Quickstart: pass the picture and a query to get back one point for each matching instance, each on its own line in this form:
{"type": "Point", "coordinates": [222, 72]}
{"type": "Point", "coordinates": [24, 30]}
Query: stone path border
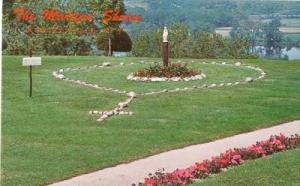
{"type": "Point", "coordinates": [118, 110]}
{"type": "Point", "coordinates": [134, 172]}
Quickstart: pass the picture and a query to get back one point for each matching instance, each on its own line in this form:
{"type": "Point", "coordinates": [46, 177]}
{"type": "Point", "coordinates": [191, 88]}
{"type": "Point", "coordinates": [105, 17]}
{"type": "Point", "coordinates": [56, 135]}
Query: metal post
{"type": "Point", "coordinates": [30, 78]}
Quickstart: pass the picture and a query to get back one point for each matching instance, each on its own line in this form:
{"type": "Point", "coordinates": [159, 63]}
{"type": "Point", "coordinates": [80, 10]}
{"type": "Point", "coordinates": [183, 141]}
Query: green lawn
{"type": "Point", "coordinates": [115, 77]}
{"type": "Point", "coordinates": [52, 137]}
{"type": "Point", "coordinates": [280, 169]}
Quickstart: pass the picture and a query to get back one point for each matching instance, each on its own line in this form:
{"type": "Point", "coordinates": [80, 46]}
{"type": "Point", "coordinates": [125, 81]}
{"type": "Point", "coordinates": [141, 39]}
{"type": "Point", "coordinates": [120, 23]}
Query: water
{"type": "Point", "coordinates": [290, 54]}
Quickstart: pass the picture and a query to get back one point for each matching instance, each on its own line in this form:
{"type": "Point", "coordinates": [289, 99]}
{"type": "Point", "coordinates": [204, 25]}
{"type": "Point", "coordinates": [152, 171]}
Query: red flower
{"type": "Point", "coordinates": [150, 182]}
{"type": "Point", "coordinates": [229, 158]}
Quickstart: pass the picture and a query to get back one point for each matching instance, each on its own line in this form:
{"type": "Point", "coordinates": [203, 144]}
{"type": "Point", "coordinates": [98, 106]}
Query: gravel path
{"type": "Point", "coordinates": [127, 174]}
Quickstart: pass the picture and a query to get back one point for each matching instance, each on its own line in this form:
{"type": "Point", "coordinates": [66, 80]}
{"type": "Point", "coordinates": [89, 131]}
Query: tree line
{"type": "Point", "coordinates": [185, 44]}
{"type": "Point", "coordinates": [203, 15]}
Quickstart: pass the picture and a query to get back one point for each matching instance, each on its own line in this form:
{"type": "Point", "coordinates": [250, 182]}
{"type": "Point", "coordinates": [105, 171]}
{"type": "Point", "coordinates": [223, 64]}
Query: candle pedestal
{"type": "Point", "coordinates": [165, 53]}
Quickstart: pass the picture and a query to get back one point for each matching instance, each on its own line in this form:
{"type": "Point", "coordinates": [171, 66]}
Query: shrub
{"type": "Point", "coordinates": [174, 70]}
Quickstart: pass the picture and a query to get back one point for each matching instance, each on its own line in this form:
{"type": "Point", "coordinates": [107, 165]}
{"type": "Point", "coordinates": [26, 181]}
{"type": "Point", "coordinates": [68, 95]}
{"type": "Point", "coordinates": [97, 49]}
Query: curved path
{"type": "Point", "coordinates": [118, 110]}
{"type": "Point", "coordinates": [134, 172]}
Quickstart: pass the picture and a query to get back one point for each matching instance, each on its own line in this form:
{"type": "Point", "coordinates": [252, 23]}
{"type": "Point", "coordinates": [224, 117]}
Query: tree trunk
{"type": "Point", "coordinates": [109, 46]}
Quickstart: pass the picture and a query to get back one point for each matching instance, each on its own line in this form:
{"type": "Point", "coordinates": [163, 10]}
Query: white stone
{"type": "Point", "coordinates": [193, 78]}
{"type": "Point", "coordinates": [104, 116]}
{"type": "Point", "coordinates": [100, 120]}
{"type": "Point", "coordinates": [60, 76]}
{"type": "Point", "coordinates": [123, 113]}
{"type": "Point", "coordinates": [156, 79]}
{"type": "Point", "coordinates": [175, 79]}
{"type": "Point", "coordinates": [95, 112]}
{"type": "Point", "coordinates": [110, 113]}
{"type": "Point", "coordinates": [229, 84]}
{"type": "Point", "coordinates": [122, 105]}
{"type": "Point", "coordinates": [249, 79]}
{"type": "Point", "coordinates": [90, 112]}
{"type": "Point", "coordinates": [186, 79]}
{"type": "Point", "coordinates": [212, 85]}
{"type": "Point", "coordinates": [199, 77]}
{"type": "Point", "coordinates": [238, 64]}
{"type": "Point", "coordinates": [144, 79]}
{"type": "Point", "coordinates": [130, 76]}
{"type": "Point", "coordinates": [164, 79]}
{"type": "Point", "coordinates": [131, 94]}
{"type": "Point", "coordinates": [106, 64]}
{"type": "Point", "coordinates": [135, 78]}
{"type": "Point", "coordinates": [129, 100]}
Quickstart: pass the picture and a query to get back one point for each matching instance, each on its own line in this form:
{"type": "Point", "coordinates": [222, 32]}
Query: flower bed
{"type": "Point", "coordinates": [174, 72]}
{"type": "Point", "coordinates": [232, 157]}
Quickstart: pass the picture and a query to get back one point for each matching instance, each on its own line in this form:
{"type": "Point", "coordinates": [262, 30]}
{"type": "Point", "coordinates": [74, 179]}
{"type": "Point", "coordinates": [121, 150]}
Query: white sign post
{"type": "Point", "coordinates": [31, 61]}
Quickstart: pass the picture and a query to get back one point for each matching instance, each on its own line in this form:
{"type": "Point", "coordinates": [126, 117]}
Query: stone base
{"type": "Point", "coordinates": [131, 77]}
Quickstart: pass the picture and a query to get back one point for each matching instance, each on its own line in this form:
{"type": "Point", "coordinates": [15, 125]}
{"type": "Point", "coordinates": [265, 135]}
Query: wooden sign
{"type": "Point", "coordinates": [32, 61]}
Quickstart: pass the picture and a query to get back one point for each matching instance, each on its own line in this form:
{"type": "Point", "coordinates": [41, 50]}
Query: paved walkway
{"type": "Point", "coordinates": [126, 174]}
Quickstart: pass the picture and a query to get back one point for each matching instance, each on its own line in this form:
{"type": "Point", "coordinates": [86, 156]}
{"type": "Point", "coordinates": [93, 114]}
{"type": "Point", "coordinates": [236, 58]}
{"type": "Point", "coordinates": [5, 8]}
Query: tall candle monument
{"type": "Point", "coordinates": [165, 48]}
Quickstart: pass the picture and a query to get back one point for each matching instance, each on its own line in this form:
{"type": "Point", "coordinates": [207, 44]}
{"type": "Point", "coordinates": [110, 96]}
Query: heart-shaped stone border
{"type": "Point", "coordinates": [118, 110]}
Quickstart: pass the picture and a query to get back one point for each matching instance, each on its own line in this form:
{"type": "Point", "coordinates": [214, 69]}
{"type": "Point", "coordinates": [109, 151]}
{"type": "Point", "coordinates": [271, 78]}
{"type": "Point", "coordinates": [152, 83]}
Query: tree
{"type": "Point", "coordinates": [103, 10]}
{"type": "Point", "coordinates": [250, 30]}
{"type": "Point", "coordinates": [273, 36]}
{"type": "Point", "coordinates": [184, 44]}
{"type": "Point", "coordinates": [148, 44]}
{"type": "Point", "coordinates": [120, 42]}
{"type": "Point", "coordinates": [180, 40]}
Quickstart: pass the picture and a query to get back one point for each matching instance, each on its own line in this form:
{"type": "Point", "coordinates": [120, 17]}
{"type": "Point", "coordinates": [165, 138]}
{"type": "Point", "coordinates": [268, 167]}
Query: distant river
{"type": "Point", "coordinates": [291, 54]}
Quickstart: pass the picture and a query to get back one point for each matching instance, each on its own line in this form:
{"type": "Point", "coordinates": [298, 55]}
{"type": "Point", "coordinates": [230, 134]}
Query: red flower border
{"type": "Point", "coordinates": [232, 157]}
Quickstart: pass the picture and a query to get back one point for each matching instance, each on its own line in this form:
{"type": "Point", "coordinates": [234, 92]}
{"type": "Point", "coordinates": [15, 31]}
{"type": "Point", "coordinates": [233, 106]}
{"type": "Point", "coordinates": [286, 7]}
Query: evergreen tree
{"type": "Point", "coordinates": [100, 6]}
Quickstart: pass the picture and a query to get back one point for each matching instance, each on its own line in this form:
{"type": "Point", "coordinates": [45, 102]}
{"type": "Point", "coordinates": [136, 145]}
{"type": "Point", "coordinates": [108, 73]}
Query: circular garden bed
{"type": "Point", "coordinates": [174, 72]}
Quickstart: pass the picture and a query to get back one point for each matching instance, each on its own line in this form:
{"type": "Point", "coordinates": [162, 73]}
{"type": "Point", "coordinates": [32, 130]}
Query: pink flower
{"type": "Point", "coordinates": [150, 181]}
{"type": "Point", "coordinates": [229, 158]}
